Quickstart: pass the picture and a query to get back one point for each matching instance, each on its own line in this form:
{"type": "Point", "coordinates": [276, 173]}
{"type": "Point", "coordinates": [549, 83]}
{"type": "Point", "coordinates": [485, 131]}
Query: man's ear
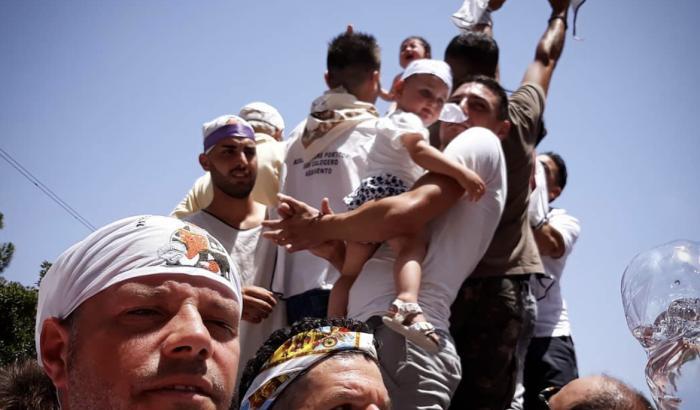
{"type": "Point", "coordinates": [503, 130]}
{"type": "Point", "coordinates": [554, 193]}
{"type": "Point", "coordinates": [204, 161]}
{"type": "Point", "coordinates": [326, 78]}
{"type": "Point", "coordinates": [376, 77]}
{"type": "Point", "coordinates": [53, 345]}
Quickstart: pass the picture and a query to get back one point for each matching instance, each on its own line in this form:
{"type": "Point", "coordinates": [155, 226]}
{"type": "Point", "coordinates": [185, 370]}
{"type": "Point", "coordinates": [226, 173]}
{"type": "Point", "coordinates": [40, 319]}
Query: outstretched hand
{"type": "Point", "coordinates": [295, 231]}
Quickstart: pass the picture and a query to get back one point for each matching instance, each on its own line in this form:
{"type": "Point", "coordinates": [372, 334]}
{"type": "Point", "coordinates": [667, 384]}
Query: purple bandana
{"type": "Point", "coordinates": [228, 131]}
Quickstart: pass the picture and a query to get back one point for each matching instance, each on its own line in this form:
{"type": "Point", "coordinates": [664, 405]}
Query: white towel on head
{"type": "Point", "coordinates": [130, 248]}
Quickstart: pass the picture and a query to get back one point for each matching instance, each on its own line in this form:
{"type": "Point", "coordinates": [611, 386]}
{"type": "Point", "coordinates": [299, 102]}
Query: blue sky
{"type": "Point", "coordinates": [103, 102]}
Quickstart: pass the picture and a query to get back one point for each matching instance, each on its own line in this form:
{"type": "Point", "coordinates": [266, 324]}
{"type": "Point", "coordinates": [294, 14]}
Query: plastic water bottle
{"type": "Point", "coordinates": [661, 298]}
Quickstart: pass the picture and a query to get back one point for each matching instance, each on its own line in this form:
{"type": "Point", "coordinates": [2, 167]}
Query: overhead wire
{"type": "Point", "coordinates": [46, 190]}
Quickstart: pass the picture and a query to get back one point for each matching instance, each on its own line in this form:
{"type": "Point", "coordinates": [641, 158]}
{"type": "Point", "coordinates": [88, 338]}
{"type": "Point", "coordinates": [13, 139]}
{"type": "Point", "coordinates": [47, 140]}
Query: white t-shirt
{"type": "Point", "coordinates": [254, 256]}
{"type": "Point", "coordinates": [457, 239]}
{"type": "Point", "coordinates": [552, 316]}
{"type": "Point", "coordinates": [539, 201]}
{"type": "Point", "coordinates": [388, 154]}
{"type": "Point", "coordinates": [334, 173]}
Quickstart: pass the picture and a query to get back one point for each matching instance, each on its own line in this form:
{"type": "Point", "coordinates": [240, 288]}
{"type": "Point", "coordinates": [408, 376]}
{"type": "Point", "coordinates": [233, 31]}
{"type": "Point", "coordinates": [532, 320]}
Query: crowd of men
{"type": "Point", "coordinates": [226, 306]}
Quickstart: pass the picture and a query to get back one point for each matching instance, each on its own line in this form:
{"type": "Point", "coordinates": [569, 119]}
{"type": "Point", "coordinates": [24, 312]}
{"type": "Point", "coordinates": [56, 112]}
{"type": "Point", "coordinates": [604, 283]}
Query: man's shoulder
{"type": "Point", "coordinates": [477, 142]}
{"type": "Point", "coordinates": [527, 93]}
{"type": "Point", "coordinates": [198, 218]}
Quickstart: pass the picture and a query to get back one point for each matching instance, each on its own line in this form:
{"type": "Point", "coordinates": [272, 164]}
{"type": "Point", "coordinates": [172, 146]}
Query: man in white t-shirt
{"type": "Point", "coordinates": [551, 359]}
{"type": "Point", "coordinates": [234, 218]}
{"type": "Point", "coordinates": [327, 157]}
{"type": "Point", "coordinates": [459, 232]}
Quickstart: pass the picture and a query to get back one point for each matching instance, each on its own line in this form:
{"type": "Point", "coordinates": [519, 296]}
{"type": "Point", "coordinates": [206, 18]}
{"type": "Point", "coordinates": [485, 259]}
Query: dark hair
{"type": "Point", "coordinates": [352, 57]}
{"type": "Point", "coordinates": [613, 395]}
{"type": "Point", "coordinates": [563, 174]}
{"type": "Point", "coordinates": [476, 52]}
{"type": "Point", "coordinates": [422, 41]}
{"type": "Point", "coordinates": [278, 337]}
{"type": "Point", "coordinates": [24, 385]}
{"type": "Point", "coordinates": [496, 88]}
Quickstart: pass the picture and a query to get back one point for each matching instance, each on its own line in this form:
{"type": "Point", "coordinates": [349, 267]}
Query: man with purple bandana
{"type": "Point", "coordinates": [234, 218]}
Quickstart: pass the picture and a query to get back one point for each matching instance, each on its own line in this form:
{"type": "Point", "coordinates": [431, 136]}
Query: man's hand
{"type": "Point", "coordinates": [257, 303]}
{"type": "Point", "coordinates": [559, 6]}
{"type": "Point", "coordinates": [496, 4]}
{"type": "Point", "coordinates": [295, 231]}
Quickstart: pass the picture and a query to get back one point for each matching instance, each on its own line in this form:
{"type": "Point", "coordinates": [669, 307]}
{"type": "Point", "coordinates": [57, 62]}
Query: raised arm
{"type": "Point", "coordinates": [375, 221]}
{"type": "Point", "coordinates": [550, 46]}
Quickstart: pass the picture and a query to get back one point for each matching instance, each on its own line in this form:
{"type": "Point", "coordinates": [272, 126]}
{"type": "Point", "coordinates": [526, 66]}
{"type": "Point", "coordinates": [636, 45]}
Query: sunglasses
{"type": "Point", "coordinates": [547, 394]}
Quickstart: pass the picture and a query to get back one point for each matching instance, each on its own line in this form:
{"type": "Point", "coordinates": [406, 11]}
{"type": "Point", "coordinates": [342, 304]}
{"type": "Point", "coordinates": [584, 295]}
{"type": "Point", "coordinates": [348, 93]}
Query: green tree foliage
{"type": "Point", "coordinates": [45, 266]}
{"type": "Point", "coordinates": [6, 250]}
{"type": "Point", "coordinates": [17, 311]}
{"type": "Point", "coordinates": [18, 307]}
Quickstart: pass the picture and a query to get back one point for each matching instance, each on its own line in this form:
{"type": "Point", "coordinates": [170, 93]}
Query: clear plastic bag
{"type": "Point", "coordinates": [661, 297]}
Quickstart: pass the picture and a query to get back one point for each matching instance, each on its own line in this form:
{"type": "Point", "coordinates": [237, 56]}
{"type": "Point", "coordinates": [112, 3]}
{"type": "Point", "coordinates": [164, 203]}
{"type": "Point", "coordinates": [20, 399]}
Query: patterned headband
{"type": "Point", "coordinates": [298, 354]}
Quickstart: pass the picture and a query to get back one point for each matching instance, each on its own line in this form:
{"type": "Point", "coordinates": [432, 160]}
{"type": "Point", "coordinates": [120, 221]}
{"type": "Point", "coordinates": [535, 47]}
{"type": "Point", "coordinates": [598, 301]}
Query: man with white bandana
{"type": "Point", "coordinates": [234, 218]}
{"type": "Point", "coordinates": [327, 157]}
{"type": "Point", "coordinates": [143, 313]}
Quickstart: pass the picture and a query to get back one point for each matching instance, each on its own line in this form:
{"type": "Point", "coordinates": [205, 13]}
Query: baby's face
{"type": "Point", "coordinates": [411, 49]}
{"type": "Point", "coordinates": [423, 95]}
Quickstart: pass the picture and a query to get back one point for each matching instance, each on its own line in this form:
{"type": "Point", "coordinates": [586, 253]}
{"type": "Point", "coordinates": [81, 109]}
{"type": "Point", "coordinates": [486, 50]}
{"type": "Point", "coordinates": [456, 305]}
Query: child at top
{"type": "Point", "coordinates": [400, 154]}
{"type": "Point", "coordinates": [412, 48]}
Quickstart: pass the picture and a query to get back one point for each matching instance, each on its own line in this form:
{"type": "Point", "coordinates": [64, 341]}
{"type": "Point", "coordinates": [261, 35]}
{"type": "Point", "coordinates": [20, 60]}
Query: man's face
{"type": "Point", "coordinates": [348, 382]}
{"type": "Point", "coordinates": [551, 171]}
{"type": "Point", "coordinates": [158, 342]}
{"type": "Point", "coordinates": [480, 104]}
{"type": "Point", "coordinates": [423, 95]}
{"type": "Point", "coordinates": [233, 166]}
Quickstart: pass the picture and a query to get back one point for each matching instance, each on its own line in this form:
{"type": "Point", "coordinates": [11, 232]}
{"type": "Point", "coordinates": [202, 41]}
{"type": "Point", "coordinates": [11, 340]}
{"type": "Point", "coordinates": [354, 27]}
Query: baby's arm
{"type": "Point", "coordinates": [430, 158]}
{"type": "Point", "coordinates": [391, 94]}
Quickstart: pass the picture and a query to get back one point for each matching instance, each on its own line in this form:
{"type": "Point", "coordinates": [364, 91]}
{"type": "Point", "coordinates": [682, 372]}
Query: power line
{"type": "Point", "coordinates": [46, 190]}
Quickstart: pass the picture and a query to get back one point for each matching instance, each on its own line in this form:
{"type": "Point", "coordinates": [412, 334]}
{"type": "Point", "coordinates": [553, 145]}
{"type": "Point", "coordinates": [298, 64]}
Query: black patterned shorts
{"type": "Point", "coordinates": [375, 187]}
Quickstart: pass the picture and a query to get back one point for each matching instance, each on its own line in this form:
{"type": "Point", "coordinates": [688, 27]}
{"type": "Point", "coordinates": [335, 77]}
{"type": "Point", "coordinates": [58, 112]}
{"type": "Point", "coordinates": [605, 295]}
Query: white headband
{"type": "Point", "coordinates": [438, 68]}
{"type": "Point", "coordinates": [296, 355]}
{"type": "Point", "coordinates": [126, 249]}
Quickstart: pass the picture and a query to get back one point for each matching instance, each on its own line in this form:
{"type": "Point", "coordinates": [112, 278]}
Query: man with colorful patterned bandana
{"type": "Point", "coordinates": [143, 313]}
{"type": "Point", "coordinates": [316, 364]}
